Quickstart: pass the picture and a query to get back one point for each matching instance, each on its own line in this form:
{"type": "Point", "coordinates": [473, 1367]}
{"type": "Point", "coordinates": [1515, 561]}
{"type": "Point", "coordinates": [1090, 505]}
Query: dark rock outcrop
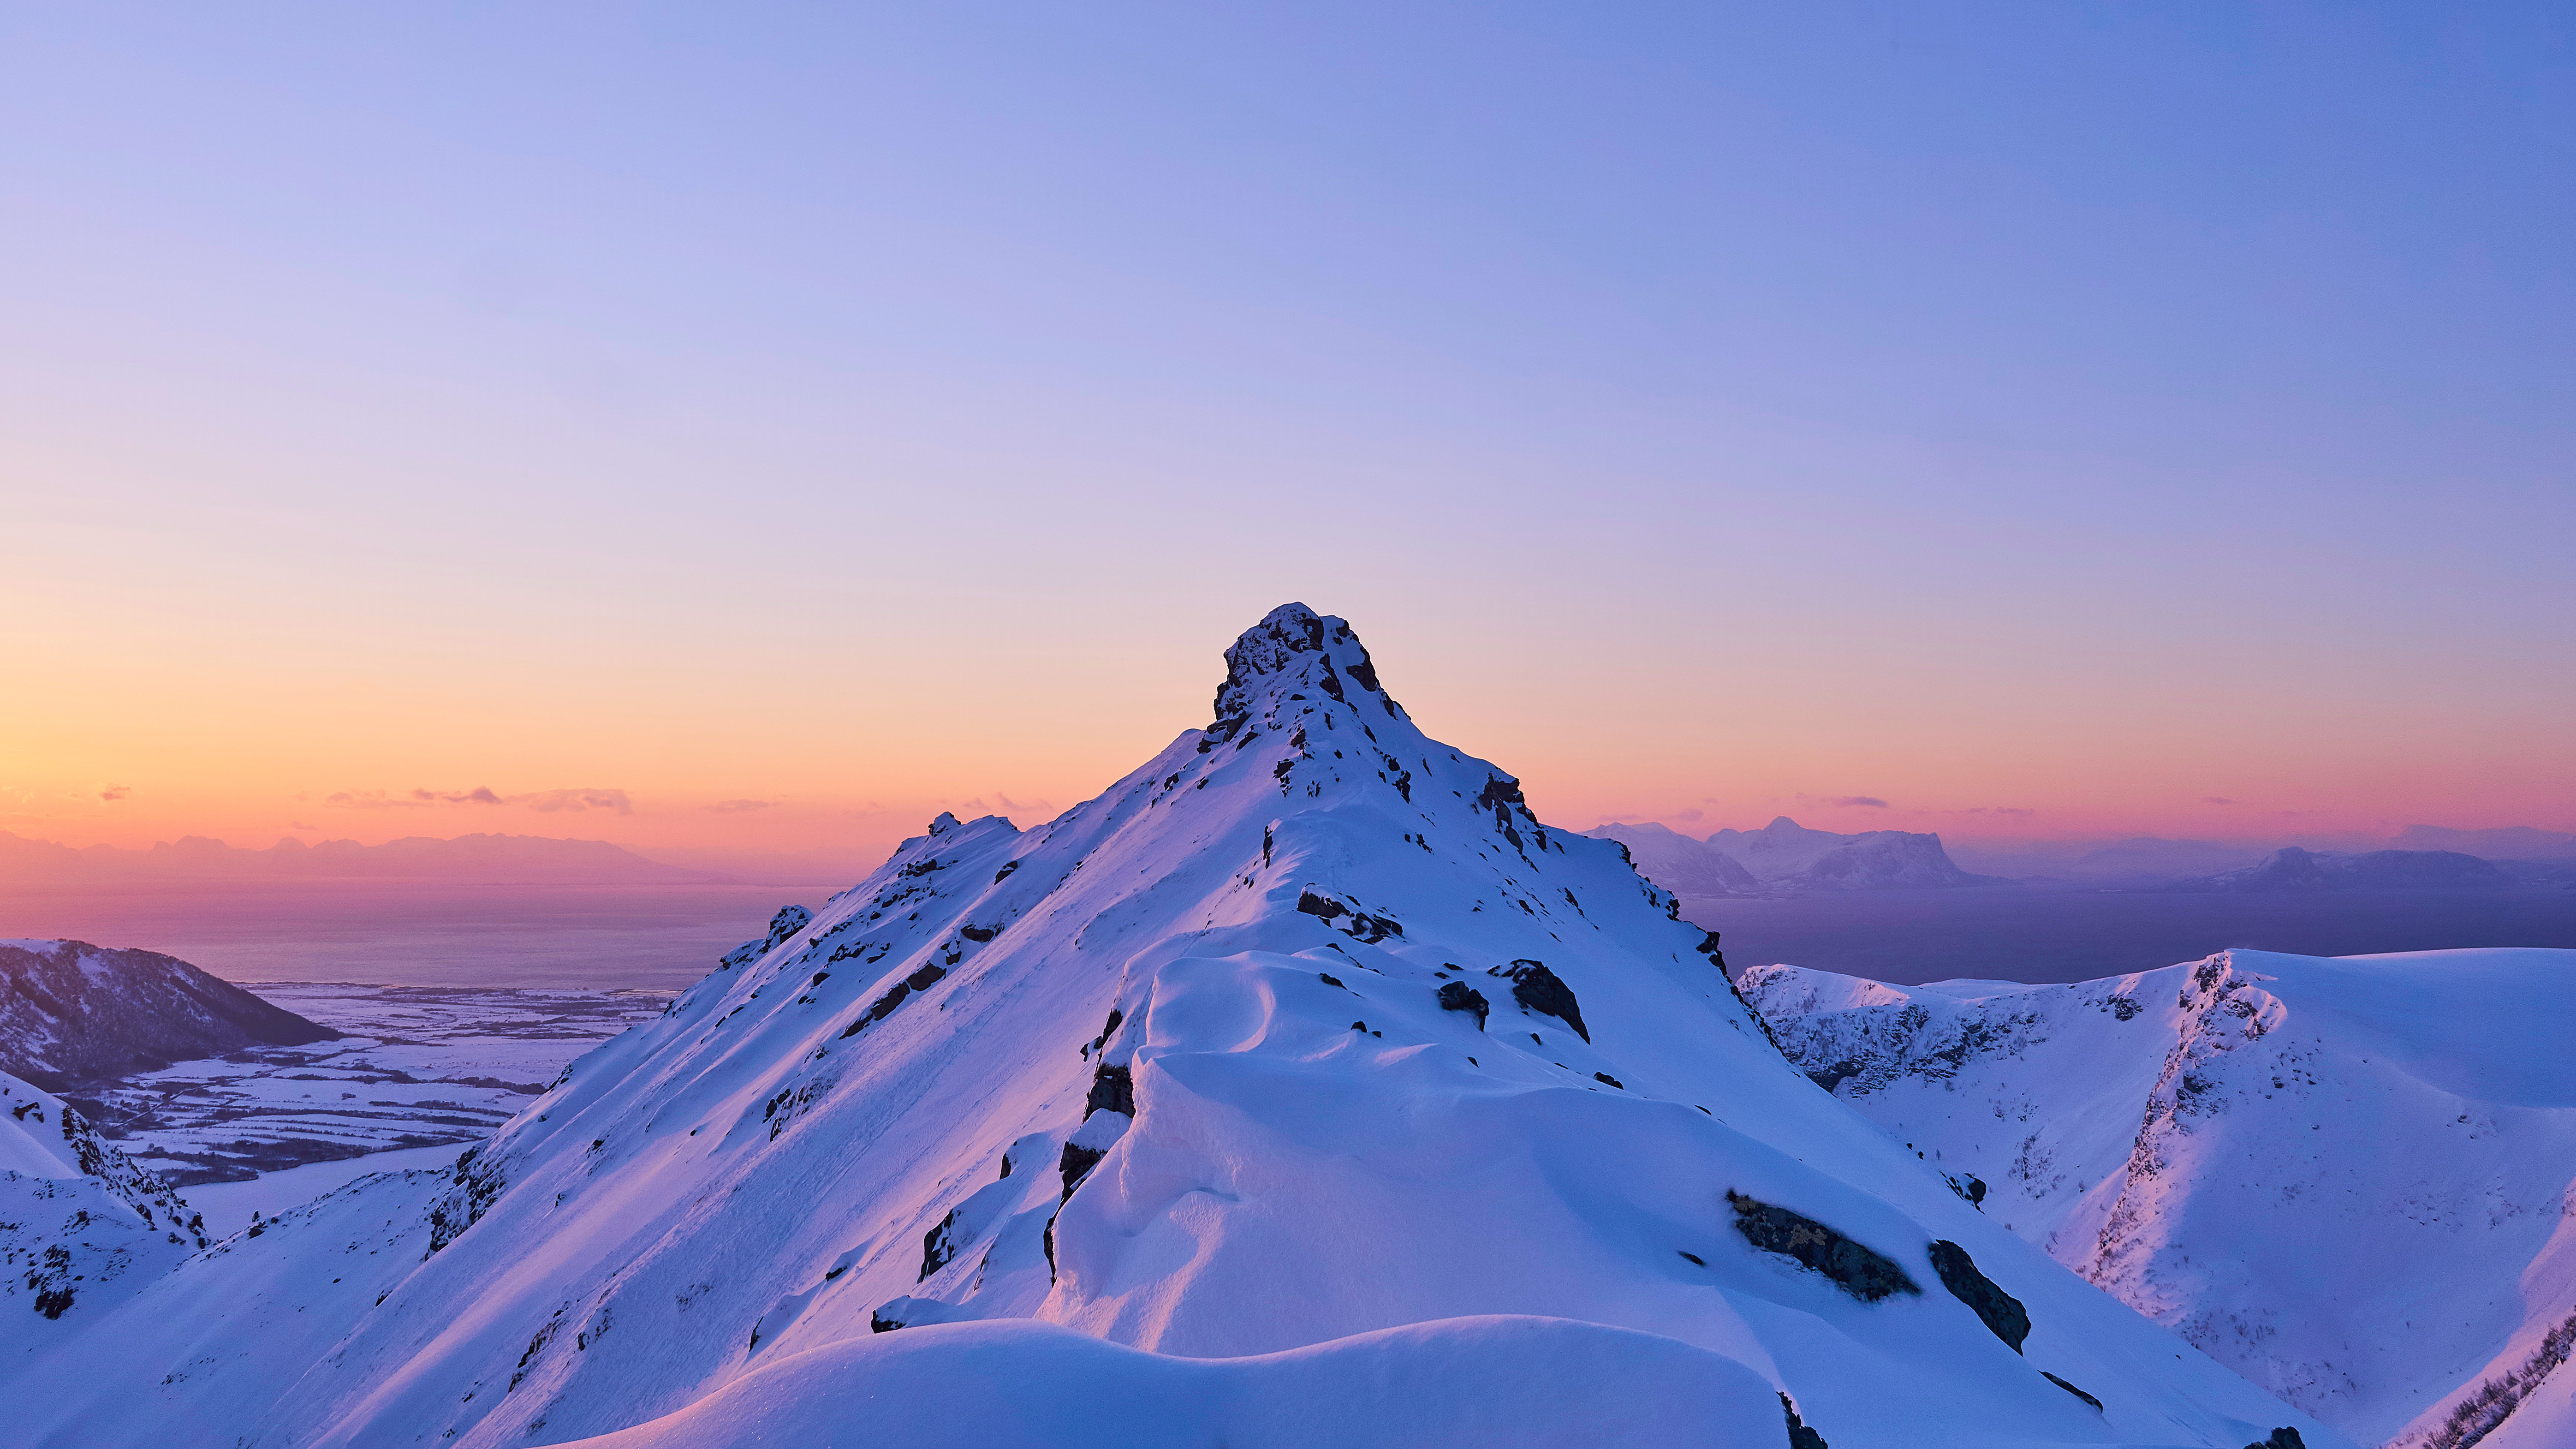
{"type": "Point", "coordinates": [1076, 1164]}
{"type": "Point", "coordinates": [1800, 1436]}
{"type": "Point", "coordinates": [72, 1012]}
{"type": "Point", "coordinates": [2070, 1388]}
{"type": "Point", "coordinates": [938, 1246]}
{"type": "Point", "coordinates": [1999, 1310]}
{"type": "Point", "coordinates": [1459, 996]}
{"type": "Point", "coordinates": [1862, 1272]}
{"type": "Point", "coordinates": [789, 920]}
{"type": "Point", "coordinates": [1113, 1089]}
{"type": "Point", "coordinates": [1540, 989]}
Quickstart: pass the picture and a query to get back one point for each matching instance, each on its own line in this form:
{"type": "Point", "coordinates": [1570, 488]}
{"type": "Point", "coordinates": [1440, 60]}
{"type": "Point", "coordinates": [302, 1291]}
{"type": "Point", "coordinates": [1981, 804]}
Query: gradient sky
{"type": "Point", "coordinates": [2093, 411]}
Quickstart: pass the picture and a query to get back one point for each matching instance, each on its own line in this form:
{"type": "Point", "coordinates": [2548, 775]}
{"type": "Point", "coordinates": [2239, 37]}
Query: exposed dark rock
{"type": "Point", "coordinates": [1539, 989]}
{"type": "Point", "coordinates": [1708, 947]}
{"type": "Point", "coordinates": [478, 1183]}
{"type": "Point", "coordinates": [1859, 1271]}
{"type": "Point", "coordinates": [938, 1246]}
{"type": "Point", "coordinates": [2001, 1311]}
{"type": "Point", "coordinates": [1459, 996]}
{"type": "Point", "coordinates": [979, 933]}
{"type": "Point", "coordinates": [1969, 1186]}
{"type": "Point", "coordinates": [1800, 1436]}
{"type": "Point", "coordinates": [1613, 1081]}
{"type": "Point", "coordinates": [2284, 1437]}
{"type": "Point", "coordinates": [1113, 1089]}
{"type": "Point", "coordinates": [999, 875]}
{"type": "Point", "coordinates": [1363, 926]}
{"type": "Point", "coordinates": [2070, 1388]}
{"type": "Point", "coordinates": [1835, 1075]}
{"type": "Point", "coordinates": [789, 920]}
{"type": "Point", "coordinates": [2123, 1007]}
{"type": "Point", "coordinates": [1076, 1164]}
{"type": "Point", "coordinates": [1329, 979]}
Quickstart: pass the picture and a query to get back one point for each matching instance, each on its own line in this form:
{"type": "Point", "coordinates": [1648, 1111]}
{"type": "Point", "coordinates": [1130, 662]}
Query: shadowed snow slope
{"type": "Point", "coordinates": [1305, 1049]}
{"type": "Point", "coordinates": [81, 1227]}
{"type": "Point", "coordinates": [2349, 1178]}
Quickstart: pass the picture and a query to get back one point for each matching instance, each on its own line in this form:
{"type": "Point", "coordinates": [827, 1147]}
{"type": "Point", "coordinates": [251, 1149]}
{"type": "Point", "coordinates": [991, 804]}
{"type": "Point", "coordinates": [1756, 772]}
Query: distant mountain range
{"type": "Point", "coordinates": [479, 858]}
{"type": "Point", "coordinates": [2147, 859]}
{"type": "Point", "coordinates": [1786, 858]}
{"type": "Point", "coordinates": [2293, 869]}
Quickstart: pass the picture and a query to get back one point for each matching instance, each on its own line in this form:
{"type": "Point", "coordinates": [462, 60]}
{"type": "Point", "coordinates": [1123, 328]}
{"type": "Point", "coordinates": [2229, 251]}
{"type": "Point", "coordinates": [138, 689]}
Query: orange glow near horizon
{"type": "Point", "coordinates": [251, 744]}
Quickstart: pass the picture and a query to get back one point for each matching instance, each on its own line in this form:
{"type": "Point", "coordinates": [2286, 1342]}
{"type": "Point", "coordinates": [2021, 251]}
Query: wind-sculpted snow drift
{"type": "Point", "coordinates": [2351, 1179]}
{"type": "Point", "coordinates": [1179, 1082]}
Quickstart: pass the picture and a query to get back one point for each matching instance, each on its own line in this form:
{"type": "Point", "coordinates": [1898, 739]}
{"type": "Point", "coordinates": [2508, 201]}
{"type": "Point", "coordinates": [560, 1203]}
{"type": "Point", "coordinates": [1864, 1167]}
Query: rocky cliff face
{"type": "Point", "coordinates": [71, 1011]}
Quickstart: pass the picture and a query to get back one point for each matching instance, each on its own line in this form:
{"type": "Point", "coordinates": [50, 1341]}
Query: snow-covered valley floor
{"type": "Point", "coordinates": [418, 1068]}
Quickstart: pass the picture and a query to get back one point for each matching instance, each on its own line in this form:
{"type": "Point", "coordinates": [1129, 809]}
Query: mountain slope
{"type": "Point", "coordinates": [2352, 1179]}
{"type": "Point", "coordinates": [81, 1228]}
{"type": "Point", "coordinates": [71, 1011]}
{"type": "Point", "coordinates": [1305, 1049]}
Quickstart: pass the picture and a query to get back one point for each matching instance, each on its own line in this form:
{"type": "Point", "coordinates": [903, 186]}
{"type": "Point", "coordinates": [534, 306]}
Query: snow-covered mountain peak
{"type": "Point", "coordinates": [1295, 655]}
{"type": "Point", "coordinates": [1304, 1033]}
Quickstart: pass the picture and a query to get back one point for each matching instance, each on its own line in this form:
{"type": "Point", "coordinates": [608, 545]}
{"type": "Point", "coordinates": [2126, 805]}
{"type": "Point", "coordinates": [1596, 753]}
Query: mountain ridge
{"type": "Point", "coordinates": [1305, 1050]}
{"type": "Point", "coordinates": [73, 1012]}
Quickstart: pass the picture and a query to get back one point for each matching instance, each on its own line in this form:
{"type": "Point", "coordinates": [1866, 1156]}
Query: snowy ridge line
{"type": "Point", "coordinates": [1303, 1068]}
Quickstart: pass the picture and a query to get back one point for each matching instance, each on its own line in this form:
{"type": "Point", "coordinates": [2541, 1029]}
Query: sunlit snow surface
{"type": "Point", "coordinates": [814, 1197]}
{"type": "Point", "coordinates": [2349, 1178]}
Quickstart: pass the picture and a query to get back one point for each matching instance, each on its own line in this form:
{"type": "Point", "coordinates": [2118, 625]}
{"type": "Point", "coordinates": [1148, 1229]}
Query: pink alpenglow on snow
{"type": "Point", "coordinates": [1302, 1087]}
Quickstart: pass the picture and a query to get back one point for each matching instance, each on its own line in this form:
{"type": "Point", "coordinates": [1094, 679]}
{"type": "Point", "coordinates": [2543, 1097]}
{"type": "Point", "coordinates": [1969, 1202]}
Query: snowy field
{"type": "Point", "coordinates": [422, 1073]}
